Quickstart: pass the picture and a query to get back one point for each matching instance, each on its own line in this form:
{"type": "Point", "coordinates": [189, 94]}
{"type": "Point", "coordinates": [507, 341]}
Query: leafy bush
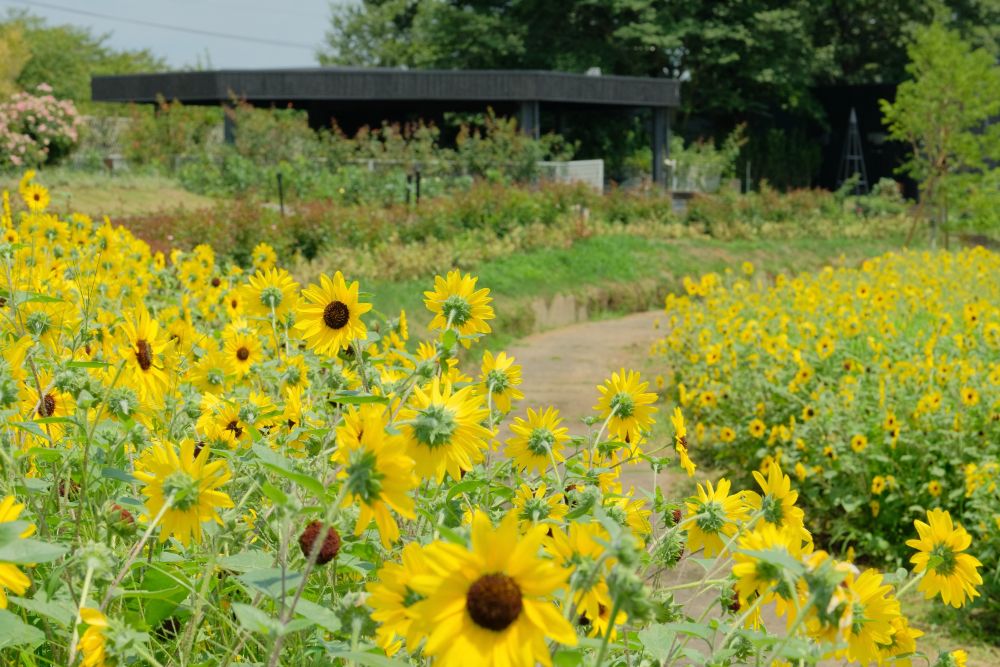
{"type": "Point", "coordinates": [36, 129]}
{"type": "Point", "coordinates": [502, 217]}
{"type": "Point", "coordinates": [376, 166]}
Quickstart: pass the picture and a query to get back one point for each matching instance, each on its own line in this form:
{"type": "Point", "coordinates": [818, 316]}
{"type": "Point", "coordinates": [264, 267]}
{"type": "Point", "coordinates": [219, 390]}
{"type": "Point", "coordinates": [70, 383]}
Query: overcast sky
{"type": "Point", "coordinates": [298, 24]}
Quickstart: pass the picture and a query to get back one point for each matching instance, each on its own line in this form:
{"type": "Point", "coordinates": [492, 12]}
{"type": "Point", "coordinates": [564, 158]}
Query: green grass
{"type": "Point", "coordinates": [115, 195]}
{"type": "Point", "coordinates": [633, 273]}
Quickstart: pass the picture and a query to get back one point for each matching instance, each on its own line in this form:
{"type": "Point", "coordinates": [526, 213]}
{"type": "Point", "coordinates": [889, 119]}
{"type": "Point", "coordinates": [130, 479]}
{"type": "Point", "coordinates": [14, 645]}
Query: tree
{"type": "Point", "coordinates": [14, 55]}
{"type": "Point", "coordinates": [65, 57]}
{"type": "Point", "coordinates": [947, 112]}
{"type": "Point", "coordinates": [737, 57]}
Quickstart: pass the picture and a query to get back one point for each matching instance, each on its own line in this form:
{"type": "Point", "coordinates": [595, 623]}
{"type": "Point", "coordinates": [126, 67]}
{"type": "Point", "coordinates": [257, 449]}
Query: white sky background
{"type": "Point", "coordinates": [302, 22]}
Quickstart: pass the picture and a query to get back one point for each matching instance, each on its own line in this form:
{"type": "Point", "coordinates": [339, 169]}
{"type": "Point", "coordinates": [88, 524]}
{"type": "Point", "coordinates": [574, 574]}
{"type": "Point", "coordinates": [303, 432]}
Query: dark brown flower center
{"type": "Point", "coordinates": [235, 428]}
{"type": "Point", "coordinates": [336, 314]}
{"type": "Point", "coordinates": [216, 281]}
{"type": "Point", "coordinates": [242, 354]}
{"type": "Point", "coordinates": [47, 406]}
{"type": "Point", "coordinates": [494, 601]}
{"type": "Point", "coordinates": [143, 354]}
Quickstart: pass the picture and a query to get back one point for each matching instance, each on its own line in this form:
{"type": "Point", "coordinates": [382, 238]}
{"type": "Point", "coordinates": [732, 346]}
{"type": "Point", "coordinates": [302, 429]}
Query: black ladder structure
{"type": "Point", "coordinates": [852, 160]}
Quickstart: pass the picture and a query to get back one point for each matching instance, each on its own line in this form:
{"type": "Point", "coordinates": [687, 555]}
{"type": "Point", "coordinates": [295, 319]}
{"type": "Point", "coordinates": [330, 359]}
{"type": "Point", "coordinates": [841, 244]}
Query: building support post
{"type": "Point", "coordinates": [661, 144]}
{"type": "Point", "coordinates": [228, 124]}
{"type": "Point", "coordinates": [530, 119]}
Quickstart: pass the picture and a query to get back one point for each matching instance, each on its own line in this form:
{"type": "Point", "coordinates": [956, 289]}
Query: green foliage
{"type": "Point", "coordinates": [13, 57]}
{"type": "Point", "coordinates": [371, 167]}
{"type": "Point", "coordinates": [158, 136]}
{"type": "Point", "coordinates": [783, 158]}
{"type": "Point", "coordinates": [947, 113]}
{"type": "Point", "coordinates": [66, 56]}
{"type": "Point", "coordinates": [700, 166]}
{"type": "Point", "coordinates": [739, 57]}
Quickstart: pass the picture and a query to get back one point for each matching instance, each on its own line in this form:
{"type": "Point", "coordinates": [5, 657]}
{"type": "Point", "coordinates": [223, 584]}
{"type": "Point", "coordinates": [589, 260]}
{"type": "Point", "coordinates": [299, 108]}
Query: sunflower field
{"type": "Point", "coordinates": [878, 387]}
{"type": "Point", "coordinates": [205, 465]}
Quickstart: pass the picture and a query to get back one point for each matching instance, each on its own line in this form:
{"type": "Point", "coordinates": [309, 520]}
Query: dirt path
{"type": "Point", "coordinates": [563, 367]}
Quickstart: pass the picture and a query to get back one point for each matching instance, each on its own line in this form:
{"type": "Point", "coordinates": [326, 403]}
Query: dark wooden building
{"type": "Point", "coordinates": [356, 97]}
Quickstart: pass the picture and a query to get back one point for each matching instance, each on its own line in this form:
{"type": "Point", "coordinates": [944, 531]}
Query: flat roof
{"type": "Point", "coordinates": [337, 84]}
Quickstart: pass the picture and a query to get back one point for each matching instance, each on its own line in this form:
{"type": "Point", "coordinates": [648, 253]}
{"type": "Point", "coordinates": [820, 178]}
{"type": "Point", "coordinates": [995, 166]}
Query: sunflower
{"type": "Point", "coordinates": [859, 443]}
{"type": "Point", "coordinates": [294, 371]}
{"type": "Point", "coordinates": [757, 428]}
{"type": "Point", "coordinates": [391, 598]}
{"type": "Point", "coordinates": [242, 351]}
{"type": "Point", "coordinates": [538, 441]}
{"type": "Point", "coordinates": [532, 507]}
{"type": "Point", "coordinates": [878, 485]}
{"type": "Point", "coordinates": [904, 643]}
{"type": "Point", "coordinates": [872, 613]}
{"type": "Point", "coordinates": [756, 576]}
{"type": "Point", "coordinates": [377, 472]}
{"type": "Point", "coordinates": [500, 378]}
{"type": "Point", "coordinates": [271, 291]}
{"type": "Point", "coordinates": [190, 481]}
{"type": "Point", "coordinates": [491, 605]}
{"type": "Point", "coordinates": [680, 441]}
{"type": "Point", "coordinates": [144, 369]}
{"type": "Point", "coordinates": [443, 430]}
{"type": "Point", "coordinates": [211, 373]}
{"type": "Point", "coordinates": [629, 511]}
{"type": "Point", "coordinates": [263, 257]}
{"type": "Point", "coordinates": [582, 546]}
{"type": "Point", "coordinates": [36, 197]}
{"type": "Point", "coordinates": [47, 321]}
{"type": "Point", "coordinates": [626, 405]}
{"type": "Point", "coordinates": [330, 317]}
{"type": "Point", "coordinates": [458, 305]}
{"type": "Point", "coordinates": [93, 643]}
{"type": "Point", "coordinates": [11, 577]}
{"type": "Point", "coordinates": [947, 571]}
{"type": "Point", "coordinates": [54, 403]}
{"type": "Point", "coordinates": [715, 515]}
{"type": "Point", "coordinates": [970, 396]}
{"type": "Point", "coordinates": [776, 503]}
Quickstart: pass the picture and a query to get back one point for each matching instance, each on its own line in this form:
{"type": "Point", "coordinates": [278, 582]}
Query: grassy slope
{"type": "Point", "coordinates": [621, 263]}
{"type": "Point", "coordinates": [119, 195]}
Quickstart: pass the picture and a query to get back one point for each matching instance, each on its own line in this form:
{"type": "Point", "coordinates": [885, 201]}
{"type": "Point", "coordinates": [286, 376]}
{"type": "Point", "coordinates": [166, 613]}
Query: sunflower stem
{"type": "Point", "coordinates": [332, 512]}
{"type": "Point", "coordinates": [602, 653]}
{"type": "Point", "coordinates": [136, 550]}
{"type": "Point", "coordinates": [87, 579]}
{"type": "Point", "coordinates": [910, 584]}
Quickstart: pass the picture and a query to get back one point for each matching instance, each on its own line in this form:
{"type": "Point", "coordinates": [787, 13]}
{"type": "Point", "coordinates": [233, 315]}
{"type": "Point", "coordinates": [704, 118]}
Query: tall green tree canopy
{"type": "Point", "coordinates": [65, 56]}
{"type": "Point", "coordinates": [947, 112]}
{"type": "Point", "coordinates": [737, 56]}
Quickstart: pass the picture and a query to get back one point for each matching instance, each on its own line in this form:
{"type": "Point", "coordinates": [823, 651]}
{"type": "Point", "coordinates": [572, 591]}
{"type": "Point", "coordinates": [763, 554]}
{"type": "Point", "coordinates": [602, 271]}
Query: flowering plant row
{"type": "Point", "coordinates": [876, 386]}
{"type": "Point", "coordinates": [202, 466]}
{"type": "Point", "coordinates": [36, 128]}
